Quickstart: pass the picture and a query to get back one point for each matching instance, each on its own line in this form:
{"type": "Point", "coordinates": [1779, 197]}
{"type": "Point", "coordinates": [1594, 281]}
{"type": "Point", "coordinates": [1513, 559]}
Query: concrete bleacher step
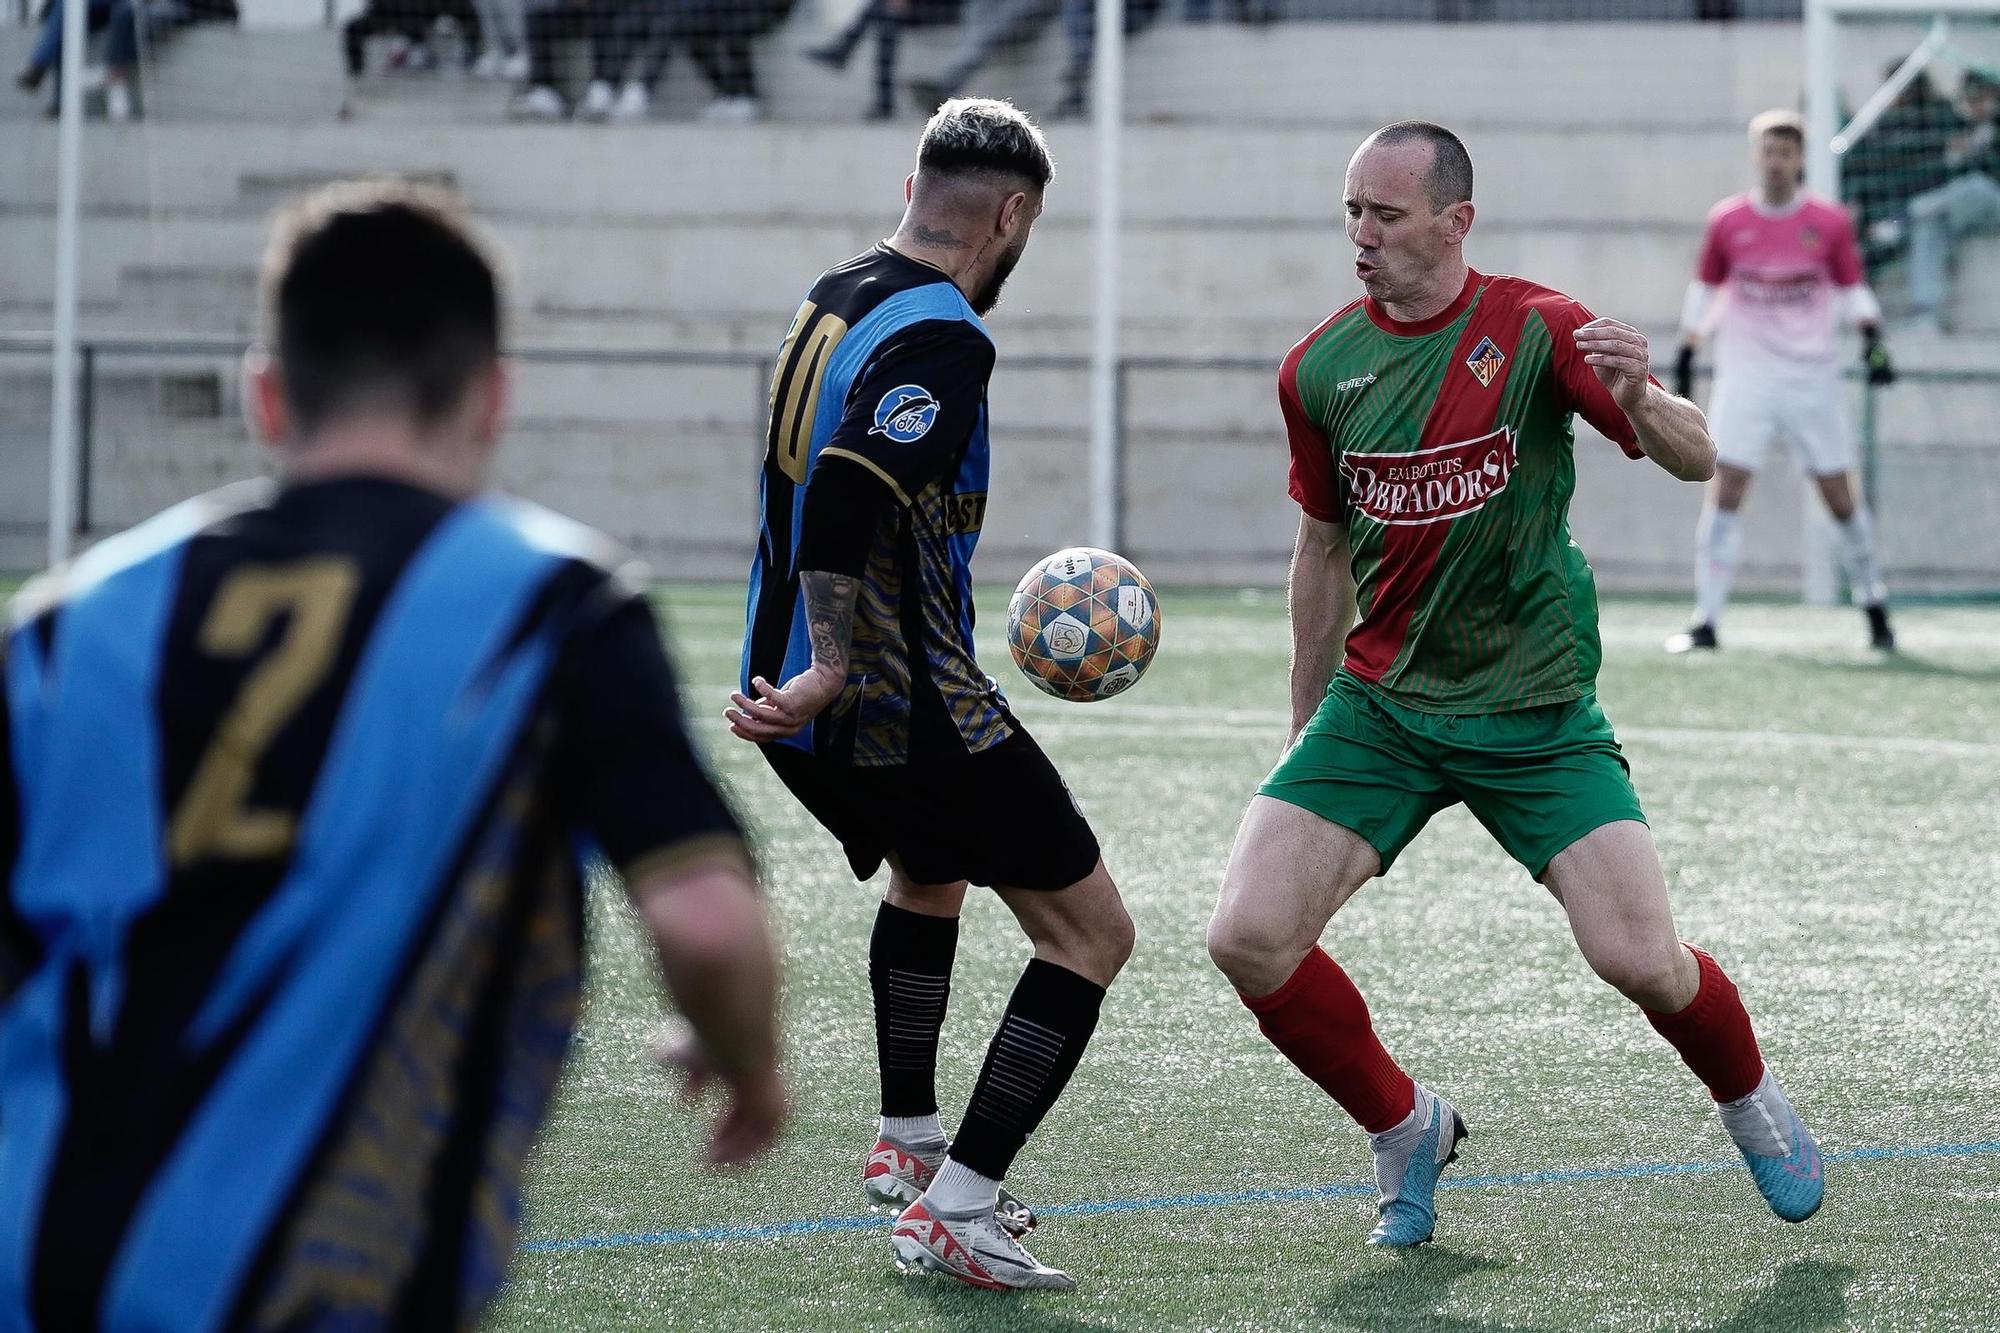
{"type": "Point", "coordinates": [1185, 176]}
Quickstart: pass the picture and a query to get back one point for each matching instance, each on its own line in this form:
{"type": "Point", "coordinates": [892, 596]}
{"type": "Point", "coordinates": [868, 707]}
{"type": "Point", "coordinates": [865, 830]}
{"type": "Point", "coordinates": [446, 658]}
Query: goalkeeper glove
{"type": "Point", "coordinates": [1684, 372]}
{"type": "Point", "coordinates": [1875, 357]}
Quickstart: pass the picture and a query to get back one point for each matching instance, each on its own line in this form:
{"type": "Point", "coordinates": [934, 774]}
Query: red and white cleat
{"type": "Point", "coordinates": [896, 1175]}
{"type": "Point", "coordinates": [974, 1248]}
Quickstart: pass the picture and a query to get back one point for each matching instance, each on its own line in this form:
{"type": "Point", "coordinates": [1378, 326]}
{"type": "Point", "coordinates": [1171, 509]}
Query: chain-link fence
{"type": "Point", "coordinates": [679, 209]}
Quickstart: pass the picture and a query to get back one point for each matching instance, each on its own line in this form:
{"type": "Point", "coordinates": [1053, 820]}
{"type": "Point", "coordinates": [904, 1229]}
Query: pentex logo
{"type": "Point", "coordinates": [1486, 361]}
{"type": "Point", "coordinates": [1430, 485]}
{"type": "Point", "coordinates": [1358, 382]}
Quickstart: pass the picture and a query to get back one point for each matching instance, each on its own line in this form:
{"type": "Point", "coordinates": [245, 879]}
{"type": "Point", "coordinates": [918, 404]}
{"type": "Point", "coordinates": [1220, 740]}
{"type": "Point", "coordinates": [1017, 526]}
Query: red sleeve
{"type": "Point", "coordinates": [1315, 480]}
{"type": "Point", "coordinates": [1713, 266]}
{"type": "Point", "coordinates": [1583, 393]}
{"type": "Point", "coordinates": [1844, 255]}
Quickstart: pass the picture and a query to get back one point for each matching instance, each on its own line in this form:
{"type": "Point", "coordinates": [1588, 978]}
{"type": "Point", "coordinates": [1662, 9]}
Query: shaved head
{"type": "Point", "coordinates": [1448, 179]}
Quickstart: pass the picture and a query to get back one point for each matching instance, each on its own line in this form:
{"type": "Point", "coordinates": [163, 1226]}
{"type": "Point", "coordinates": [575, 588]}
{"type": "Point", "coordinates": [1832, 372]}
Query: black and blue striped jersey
{"type": "Point", "coordinates": [295, 794]}
{"type": "Point", "coordinates": [884, 370]}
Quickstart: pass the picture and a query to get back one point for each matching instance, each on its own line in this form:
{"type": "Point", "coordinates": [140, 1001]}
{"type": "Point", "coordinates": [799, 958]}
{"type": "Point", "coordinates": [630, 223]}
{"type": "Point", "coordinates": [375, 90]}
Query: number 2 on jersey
{"type": "Point", "coordinates": [214, 818]}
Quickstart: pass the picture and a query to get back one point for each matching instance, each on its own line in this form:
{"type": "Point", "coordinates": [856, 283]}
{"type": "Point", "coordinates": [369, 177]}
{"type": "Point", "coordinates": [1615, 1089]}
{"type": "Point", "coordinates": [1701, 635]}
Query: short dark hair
{"type": "Point", "coordinates": [1449, 181]}
{"type": "Point", "coordinates": [972, 134]}
{"type": "Point", "coordinates": [378, 293]}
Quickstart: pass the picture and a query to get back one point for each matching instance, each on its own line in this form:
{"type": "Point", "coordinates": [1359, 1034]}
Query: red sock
{"type": "Point", "coordinates": [1320, 1022]}
{"type": "Point", "coordinates": [1713, 1034]}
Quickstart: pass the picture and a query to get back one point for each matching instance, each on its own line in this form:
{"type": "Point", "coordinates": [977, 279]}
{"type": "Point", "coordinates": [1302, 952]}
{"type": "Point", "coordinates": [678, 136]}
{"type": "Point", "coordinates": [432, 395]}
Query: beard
{"type": "Point", "coordinates": [989, 295]}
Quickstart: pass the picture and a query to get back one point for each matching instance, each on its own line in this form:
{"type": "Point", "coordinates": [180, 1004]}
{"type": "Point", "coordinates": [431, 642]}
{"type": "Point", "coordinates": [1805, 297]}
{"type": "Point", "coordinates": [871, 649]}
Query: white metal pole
{"type": "Point", "coordinates": [1819, 583]}
{"type": "Point", "coordinates": [69, 170]}
{"type": "Point", "coordinates": [1107, 104]}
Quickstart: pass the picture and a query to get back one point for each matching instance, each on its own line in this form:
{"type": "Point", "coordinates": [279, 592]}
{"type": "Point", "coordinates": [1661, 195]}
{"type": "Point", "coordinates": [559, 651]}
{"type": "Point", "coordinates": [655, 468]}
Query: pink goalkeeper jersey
{"type": "Point", "coordinates": [1779, 272]}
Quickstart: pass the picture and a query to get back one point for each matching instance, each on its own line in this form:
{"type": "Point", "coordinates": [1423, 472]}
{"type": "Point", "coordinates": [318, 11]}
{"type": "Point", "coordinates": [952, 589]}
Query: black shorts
{"type": "Point", "coordinates": [1002, 818]}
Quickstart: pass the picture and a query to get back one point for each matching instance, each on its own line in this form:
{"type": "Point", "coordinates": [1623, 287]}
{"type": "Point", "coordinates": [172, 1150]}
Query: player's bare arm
{"type": "Point", "coordinates": [1671, 430]}
{"type": "Point", "coordinates": [786, 710]}
{"type": "Point", "coordinates": [1321, 601]}
{"type": "Point", "coordinates": [716, 955]}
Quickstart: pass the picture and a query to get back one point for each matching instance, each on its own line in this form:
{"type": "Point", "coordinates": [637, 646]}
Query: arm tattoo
{"type": "Point", "coordinates": [830, 615]}
{"type": "Point", "coordinates": [938, 238]}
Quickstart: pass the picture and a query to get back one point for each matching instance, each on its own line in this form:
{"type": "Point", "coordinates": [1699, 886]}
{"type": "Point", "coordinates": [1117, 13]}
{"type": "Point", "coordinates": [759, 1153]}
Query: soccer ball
{"type": "Point", "coordinates": [1083, 624]}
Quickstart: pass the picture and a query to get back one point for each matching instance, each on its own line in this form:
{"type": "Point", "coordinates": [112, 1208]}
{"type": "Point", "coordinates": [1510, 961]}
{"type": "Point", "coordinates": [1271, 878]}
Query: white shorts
{"type": "Point", "coordinates": [1746, 410]}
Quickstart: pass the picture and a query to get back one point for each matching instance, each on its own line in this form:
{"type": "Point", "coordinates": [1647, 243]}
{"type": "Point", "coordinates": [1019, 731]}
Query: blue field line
{"type": "Point", "coordinates": [816, 1226]}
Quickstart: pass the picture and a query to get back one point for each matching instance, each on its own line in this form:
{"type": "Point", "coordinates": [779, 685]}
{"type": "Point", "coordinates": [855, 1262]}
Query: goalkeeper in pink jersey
{"type": "Point", "coordinates": [1779, 272]}
{"type": "Point", "coordinates": [1444, 649]}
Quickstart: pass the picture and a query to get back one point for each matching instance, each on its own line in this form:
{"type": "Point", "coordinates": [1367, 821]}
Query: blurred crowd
{"type": "Point", "coordinates": [629, 44]}
{"type": "Point", "coordinates": [1926, 173]}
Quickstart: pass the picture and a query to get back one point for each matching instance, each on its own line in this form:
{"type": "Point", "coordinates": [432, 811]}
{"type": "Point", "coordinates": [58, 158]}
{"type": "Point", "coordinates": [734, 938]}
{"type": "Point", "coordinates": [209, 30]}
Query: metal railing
{"type": "Point", "coordinates": [94, 349]}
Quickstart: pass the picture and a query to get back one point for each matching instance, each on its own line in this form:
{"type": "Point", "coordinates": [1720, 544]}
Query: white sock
{"type": "Point", "coordinates": [1413, 1124]}
{"type": "Point", "coordinates": [1759, 1121]}
{"type": "Point", "coordinates": [1857, 555]}
{"type": "Point", "coordinates": [915, 1130]}
{"type": "Point", "coordinates": [960, 1189]}
{"type": "Point", "coordinates": [1717, 538]}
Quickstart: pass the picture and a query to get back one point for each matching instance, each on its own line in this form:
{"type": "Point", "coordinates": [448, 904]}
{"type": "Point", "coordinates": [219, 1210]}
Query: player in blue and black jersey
{"type": "Point", "coordinates": [884, 725]}
{"type": "Point", "coordinates": [294, 780]}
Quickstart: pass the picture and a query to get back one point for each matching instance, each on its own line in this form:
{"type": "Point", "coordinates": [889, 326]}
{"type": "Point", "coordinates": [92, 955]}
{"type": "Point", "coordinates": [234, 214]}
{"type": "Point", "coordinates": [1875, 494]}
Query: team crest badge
{"type": "Point", "coordinates": [1485, 362]}
{"type": "Point", "coordinates": [1809, 239]}
{"type": "Point", "coordinates": [905, 414]}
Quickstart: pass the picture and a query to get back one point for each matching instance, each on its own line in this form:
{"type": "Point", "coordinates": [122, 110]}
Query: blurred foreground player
{"type": "Point", "coordinates": [1780, 272]}
{"type": "Point", "coordinates": [1431, 436]}
{"type": "Point", "coordinates": [884, 726]}
{"type": "Point", "coordinates": [291, 938]}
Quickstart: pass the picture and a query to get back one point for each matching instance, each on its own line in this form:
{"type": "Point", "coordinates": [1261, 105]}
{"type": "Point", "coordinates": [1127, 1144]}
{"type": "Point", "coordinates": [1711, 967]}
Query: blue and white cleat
{"type": "Point", "coordinates": [1408, 1161]}
{"type": "Point", "coordinates": [1778, 1148]}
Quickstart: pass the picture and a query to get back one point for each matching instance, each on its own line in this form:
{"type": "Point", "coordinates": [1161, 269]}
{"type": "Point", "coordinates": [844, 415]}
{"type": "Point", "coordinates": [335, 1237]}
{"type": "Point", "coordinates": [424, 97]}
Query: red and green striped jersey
{"type": "Point", "coordinates": [1444, 449]}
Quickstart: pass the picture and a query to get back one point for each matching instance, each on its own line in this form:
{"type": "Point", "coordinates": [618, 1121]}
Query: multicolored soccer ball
{"type": "Point", "coordinates": [1083, 624]}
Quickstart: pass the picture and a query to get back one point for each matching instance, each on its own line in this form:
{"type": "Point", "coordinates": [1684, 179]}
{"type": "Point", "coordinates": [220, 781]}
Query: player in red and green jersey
{"type": "Point", "coordinates": [1431, 437]}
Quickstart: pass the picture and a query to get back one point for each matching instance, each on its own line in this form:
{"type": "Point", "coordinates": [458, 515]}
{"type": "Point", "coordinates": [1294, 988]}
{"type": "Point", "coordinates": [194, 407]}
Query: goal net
{"type": "Point", "coordinates": [1904, 105]}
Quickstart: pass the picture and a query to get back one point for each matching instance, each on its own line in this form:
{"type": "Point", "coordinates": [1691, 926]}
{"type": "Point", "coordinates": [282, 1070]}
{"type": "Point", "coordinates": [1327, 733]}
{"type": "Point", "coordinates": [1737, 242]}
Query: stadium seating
{"type": "Point", "coordinates": [681, 236]}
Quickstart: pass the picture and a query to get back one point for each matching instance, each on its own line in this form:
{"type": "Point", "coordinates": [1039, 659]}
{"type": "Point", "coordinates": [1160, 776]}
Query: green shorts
{"type": "Point", "coordinates": [1537, 778]}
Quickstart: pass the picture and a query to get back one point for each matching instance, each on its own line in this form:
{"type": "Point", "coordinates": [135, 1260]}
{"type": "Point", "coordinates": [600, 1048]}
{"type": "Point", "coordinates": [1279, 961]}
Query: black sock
{"type": "Point", "coordinates": [1048, 1022]}
{"type": "Point", "coordinates": [909, 971]}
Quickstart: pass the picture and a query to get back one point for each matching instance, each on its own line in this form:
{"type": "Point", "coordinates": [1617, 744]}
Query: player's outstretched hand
{"type": "Point", "coordinates": [785, 711]}
{"type": "Point", "coordinates": [1617, 352]}
{"type": "Point", "coordinates": [749, 1124]}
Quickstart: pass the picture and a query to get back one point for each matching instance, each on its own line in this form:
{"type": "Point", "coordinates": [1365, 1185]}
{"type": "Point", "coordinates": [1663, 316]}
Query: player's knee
{"type": "Point", "coordinates": [1118, 938]}
{"type": "Point", "coordinates": [1642, 972]}
{"type": "Point", "coordinates": [1250, 951]}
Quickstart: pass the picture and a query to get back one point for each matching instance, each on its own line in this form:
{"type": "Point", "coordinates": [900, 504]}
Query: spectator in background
{"type": "Point", "coordinates": [718, 33]}
{"type": "Point", "coordinates": [992, 24]}
{"type": "Point", "coordinates": [121, 53]}
{"type": "Point", "coordinates": [603, 24]}
{"type": "Point", "coordinates": [1079, 19]}
{"type": "Point", "coordinates": [887, 19]}
{"type": "Point", "coordinates": [1900, 157]}
{"type": "Point", "coordinates": [988, 26]}
{"type": "Point", "coordinates": [1968, 201]}
{"type": "Point", "coordinates": [504, 27]}
{"type": "Point", "coordinates": [412, 22]}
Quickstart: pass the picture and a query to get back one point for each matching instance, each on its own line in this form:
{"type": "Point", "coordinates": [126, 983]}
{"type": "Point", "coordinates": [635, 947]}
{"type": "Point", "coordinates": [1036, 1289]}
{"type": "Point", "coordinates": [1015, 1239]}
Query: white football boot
{"type": "Point", "coordinates": [896, 1175]}
{"type": "Point", "coordinates": [972, 1247]}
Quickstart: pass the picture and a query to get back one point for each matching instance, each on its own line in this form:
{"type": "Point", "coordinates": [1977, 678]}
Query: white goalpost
{"type": "Point", "coordinates": [1850, 46]}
